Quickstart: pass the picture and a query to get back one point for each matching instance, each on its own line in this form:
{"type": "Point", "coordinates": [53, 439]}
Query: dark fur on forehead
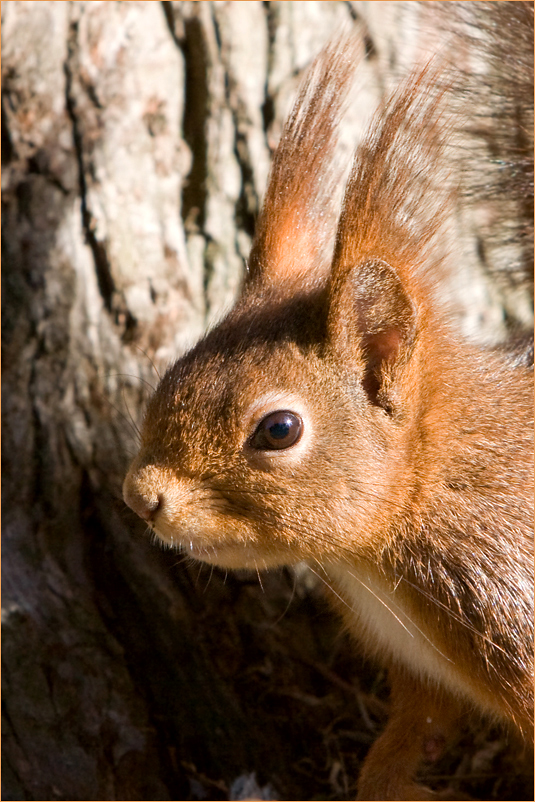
{"type": "Point", "coordinates": [262, 322]}
{"type": "Point", "coordinates": [253, 330]}
{"type": "Point", "coordinates": [198, 398]}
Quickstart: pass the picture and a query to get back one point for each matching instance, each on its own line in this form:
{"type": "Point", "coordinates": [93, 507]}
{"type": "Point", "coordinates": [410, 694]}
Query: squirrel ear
{"type": "Point", "coordinates": [295, 230]}
{"type": "Point", "coordinates": [386, 260]}
{"type": "Point", "coordinates": [372, 317]}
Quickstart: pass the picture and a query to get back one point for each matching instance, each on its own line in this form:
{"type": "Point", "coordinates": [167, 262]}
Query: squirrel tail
{"type": "Point", "coordinates": [497, 92]}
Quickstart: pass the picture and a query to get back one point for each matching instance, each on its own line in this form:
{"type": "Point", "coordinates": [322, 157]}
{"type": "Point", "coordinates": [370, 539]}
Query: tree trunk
{"type": "Point", "coordinates": [136, 141]}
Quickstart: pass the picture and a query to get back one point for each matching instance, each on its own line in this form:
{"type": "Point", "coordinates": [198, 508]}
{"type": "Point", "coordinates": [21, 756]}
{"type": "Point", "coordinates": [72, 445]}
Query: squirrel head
{"type": "Point", "coordinates": [255, 445]}
{"type": "Point", "coordinates": [286, 426]}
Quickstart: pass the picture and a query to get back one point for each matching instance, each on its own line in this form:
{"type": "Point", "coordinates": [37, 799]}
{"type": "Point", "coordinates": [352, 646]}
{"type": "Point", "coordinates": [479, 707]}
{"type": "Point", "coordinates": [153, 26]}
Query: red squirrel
{"type": "Point", "coordinates": [336, 417]}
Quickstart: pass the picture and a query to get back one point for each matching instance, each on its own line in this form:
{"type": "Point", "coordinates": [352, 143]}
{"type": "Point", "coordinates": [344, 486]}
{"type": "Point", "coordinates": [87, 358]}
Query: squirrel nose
{"type": "Point", "coordinates": [145, 503]}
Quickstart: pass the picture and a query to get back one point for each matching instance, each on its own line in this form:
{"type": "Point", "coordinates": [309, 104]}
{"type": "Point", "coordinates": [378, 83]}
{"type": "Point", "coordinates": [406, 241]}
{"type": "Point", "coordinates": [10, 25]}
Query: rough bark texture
{"type": "Point", "coordinates": [136, 140]}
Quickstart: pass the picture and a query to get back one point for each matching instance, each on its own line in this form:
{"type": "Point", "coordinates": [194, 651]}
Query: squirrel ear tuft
{"type": "Point", "coordinates": [295, 231]}
{"type": "Point", "coordinates": [373, 318]}
{"type": "Point", "coordinates": [388, 251]}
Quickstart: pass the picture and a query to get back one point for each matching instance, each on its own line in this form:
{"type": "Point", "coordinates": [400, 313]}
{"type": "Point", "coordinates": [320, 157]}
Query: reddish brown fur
{"type": "Point", "coordinates": [298, 216]}
{"type": "Point", "coordinates": [410, 492]}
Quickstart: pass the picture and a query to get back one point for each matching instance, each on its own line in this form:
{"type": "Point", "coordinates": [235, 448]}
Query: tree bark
{"type": "Point", "coordinates": [136, 141]}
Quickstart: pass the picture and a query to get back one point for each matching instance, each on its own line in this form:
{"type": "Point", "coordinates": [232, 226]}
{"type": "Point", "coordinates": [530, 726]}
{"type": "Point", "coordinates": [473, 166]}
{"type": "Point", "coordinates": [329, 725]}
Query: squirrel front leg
{"type": "Point", "coordinates": [422, 721]}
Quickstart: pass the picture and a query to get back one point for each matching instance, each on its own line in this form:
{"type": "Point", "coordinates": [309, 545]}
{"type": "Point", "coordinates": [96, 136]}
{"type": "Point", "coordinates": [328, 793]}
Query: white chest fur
{"type": "Point", "coordinates": [389, 628]}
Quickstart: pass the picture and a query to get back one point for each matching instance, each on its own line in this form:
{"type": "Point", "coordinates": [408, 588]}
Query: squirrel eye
{"type": "Point", "coordinates": [277, 431]}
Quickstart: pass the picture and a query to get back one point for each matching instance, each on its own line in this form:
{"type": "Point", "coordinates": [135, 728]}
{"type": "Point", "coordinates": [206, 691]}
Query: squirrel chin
{"type": "Point", "coordinates": [233, 555]}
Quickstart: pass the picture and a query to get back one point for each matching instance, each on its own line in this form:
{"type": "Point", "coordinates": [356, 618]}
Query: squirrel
{"type": "Point", "coordinates": [336, 417]}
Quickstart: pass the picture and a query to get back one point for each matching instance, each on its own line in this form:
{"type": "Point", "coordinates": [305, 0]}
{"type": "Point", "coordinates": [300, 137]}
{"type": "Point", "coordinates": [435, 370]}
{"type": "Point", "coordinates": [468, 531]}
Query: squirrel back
{"type": "Point", "coordinates": [335, 416]}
